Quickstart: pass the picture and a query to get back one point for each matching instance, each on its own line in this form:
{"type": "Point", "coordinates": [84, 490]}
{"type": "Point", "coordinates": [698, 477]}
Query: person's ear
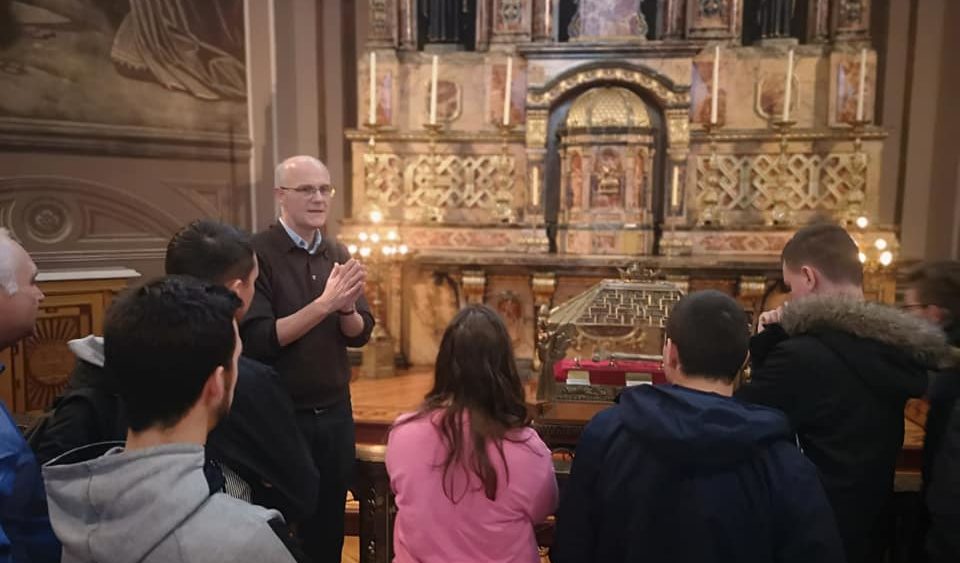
{"type": "Point", "coordinates": [215, 388]}
{"type": "Point", "coordinates": [810, 277]}
{"type": "Point", "coordinates": [671, 358]}
{"type": "Point", "coordinates": [234, 285]}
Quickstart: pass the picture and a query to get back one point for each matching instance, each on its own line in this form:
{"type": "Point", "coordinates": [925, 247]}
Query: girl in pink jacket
{"type": "Point", "coordinates": [471, 478]}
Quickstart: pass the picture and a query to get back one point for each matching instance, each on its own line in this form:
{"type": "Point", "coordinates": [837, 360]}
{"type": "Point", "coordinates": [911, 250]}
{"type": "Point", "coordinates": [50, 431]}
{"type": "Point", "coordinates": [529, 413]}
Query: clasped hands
{"type": "Point", "coordinates": [344, 286]}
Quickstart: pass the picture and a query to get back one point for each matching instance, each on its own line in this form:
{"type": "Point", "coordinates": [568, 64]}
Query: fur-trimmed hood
{"type": "Point", "coordinates": [922, 341]}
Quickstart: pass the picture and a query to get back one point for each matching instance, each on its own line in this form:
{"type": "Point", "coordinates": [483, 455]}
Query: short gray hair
{"type": "Point", "coordinates": [8, 266]}
{"type": "Point", "coordinates": [280, 172]}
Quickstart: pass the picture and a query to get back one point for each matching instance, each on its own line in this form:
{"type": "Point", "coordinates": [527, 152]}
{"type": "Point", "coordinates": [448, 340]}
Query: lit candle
{"type": "Point", "coordinates": [546, 19]}
{"type": "Point", "coordinates": [507, 90]}
{"type": "Point", "coordinates": [675, 187]}
{"type": "Point", "coordinates": [535, 188]}
{"type": "Point", "coordinates": [788, 87]}
{"type": "Point", "coordinates": [433, 92]}
{"type": "Point", "coordinates": [372, 117]}
{"type": "Point", "coordinates": [863, 84]}
{"type": "Point", "coordinates": [715, 93]}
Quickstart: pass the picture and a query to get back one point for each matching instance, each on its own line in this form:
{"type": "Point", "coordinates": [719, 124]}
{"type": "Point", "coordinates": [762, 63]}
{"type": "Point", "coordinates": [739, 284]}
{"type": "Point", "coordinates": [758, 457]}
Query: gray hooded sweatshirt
{"type": "Point", "coordinates": [154, 506]}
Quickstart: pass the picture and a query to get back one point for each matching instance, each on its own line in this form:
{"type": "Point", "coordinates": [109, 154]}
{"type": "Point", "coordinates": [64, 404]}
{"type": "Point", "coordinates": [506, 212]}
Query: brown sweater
{"type": "Point", "coordinates": [314, 369]}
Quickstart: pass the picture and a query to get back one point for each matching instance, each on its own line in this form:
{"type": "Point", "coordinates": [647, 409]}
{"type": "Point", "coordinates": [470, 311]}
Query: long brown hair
{"type": "Point", "coordinates": [475, 383]}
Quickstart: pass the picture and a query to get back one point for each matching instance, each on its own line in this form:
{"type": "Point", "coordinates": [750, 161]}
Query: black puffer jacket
{"type": "Point", "coordinates": [842, 371]}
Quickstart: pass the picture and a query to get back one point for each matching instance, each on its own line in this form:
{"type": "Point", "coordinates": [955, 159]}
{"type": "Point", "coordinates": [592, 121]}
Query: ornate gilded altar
{"type": "Point", "coordinates": [570, 139]}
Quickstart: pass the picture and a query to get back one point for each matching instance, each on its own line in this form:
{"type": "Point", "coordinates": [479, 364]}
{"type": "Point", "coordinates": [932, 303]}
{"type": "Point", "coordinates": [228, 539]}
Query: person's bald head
{"type": "Point", "coordinates": [19, 295]}
{"type": "Point", "coordinates": [302, 188]}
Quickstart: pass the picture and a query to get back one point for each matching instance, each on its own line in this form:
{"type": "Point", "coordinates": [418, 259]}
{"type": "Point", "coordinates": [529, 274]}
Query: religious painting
{"type": "Point", "coordinates": [385, 98]}
{"type": "Point", "coordinates": [640, 176]}
{"type": "Point", "coordinates": [518, 92]}
{"type": "Point", "coordinates": [177, 64]}
{"type": "Point", "coordinates": [508, 304]}
{"type": "Point", "coordinates": [845, 98]}
{"type": "Point", "coordinates": [575, 182]}
{"type": "Point", "coordinates": [448, 101]}
{"type": "Point", "coordinates": [622, 19]}
{"type": "Point", "coordinates": [605, 243]}
{"type": "Point", "coordinates": [701, 92]}
{"type": "Point", "coordinates": [771, 94]}
{"type": "Point", "coordinates": [384, 101]}
{"type": "Point", "coordinates": [607, 180]}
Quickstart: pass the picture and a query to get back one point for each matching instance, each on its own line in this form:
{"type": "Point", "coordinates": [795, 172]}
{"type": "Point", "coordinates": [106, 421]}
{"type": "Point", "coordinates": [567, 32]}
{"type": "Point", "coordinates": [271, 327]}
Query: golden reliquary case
{"type": "Point", "coordinates": [600, 341]}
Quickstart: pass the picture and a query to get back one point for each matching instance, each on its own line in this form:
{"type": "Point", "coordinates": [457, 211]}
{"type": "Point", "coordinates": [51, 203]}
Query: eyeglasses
{"type": "Point", "coordinates": [308, 190]}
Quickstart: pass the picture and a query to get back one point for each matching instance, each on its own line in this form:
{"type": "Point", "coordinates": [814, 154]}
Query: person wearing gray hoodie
{"type": "Point", "coordinates": [173, 347]}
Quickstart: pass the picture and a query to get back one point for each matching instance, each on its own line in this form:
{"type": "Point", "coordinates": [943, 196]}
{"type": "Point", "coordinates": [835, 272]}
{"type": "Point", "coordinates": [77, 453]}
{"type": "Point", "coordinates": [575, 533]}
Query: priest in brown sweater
{"type": "Point", "coordinates": [308, 308]}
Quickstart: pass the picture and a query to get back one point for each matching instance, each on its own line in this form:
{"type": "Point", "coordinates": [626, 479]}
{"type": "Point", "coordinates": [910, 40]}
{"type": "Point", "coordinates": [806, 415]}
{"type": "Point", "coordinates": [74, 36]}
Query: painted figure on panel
{"type": "Point", "coordinates": [640, 176]}
{"type": "Point", "coordinates": [607, 180]}
{"type": "Point", "coordinates": [575, 186]}
{"type": "Point", "coordinates": [176, 64]}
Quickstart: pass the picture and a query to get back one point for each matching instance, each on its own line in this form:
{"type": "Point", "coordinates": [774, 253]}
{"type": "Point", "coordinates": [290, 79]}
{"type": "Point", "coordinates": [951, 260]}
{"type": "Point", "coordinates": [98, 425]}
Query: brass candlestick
{"type": "Point", "coordinates": [709, 212]}
{"type": "Point", "coordinates": [780, 213]}
{"type": "Point", "coordinates": [504, 195]}
{"type": "Point", "coordinates": [856, 194]}
{"type": "Point", "coordinates": [370, 164]}
{"type": "Point", "coordinates": [432, 212]}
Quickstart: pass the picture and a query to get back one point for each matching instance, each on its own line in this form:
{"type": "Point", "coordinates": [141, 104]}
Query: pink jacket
{"type": "Point", "coordinates": [430, 527]}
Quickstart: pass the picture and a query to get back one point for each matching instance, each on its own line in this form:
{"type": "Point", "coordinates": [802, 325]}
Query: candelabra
{"type": "Point", "coordinates": [780, 214]}
{"type": "Point", "coordinates": [856, 194]}
{"type": "Point", "coordinates": [431, 211]}
{"type": "Point", "coordinates": [371, 194]}
{"type": "Point", "coordinates": [503, 198]}
{"type": "Point", "coordinates": [380, 248]}
{"type": "Point", "coordinates": [710, 214]}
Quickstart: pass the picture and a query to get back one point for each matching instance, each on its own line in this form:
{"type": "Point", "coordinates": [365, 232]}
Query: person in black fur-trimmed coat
{"type": "Point", "coordinates": [842, 369]}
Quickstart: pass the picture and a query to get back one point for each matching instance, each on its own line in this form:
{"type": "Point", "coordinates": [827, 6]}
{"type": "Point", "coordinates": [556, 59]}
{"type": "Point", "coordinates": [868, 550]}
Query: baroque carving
{"type": "Point", "coordinates": [537, 129]}
{"type": "Point", "coordinates": [445, 182]}
{"type": "Point", "coordinates": [749, 182]}
{"type": "Point", "coordinates": [658, 86]}
{"type": "Point", "coordinates": [713, 8]}
{"type": "Point", "coordinates": [511, 12]}
{"type": "Point", "coordinates": [851, 12]}
{"type": "Point", "coordinates": [48, 220]}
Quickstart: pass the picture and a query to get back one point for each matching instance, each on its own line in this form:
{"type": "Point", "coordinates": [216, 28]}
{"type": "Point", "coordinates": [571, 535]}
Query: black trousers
{"type": "Point", "coordinates": [330, 435]}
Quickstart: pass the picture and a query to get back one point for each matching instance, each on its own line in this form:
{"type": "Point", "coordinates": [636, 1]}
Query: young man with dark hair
{"type": "Point", "coordinates": [173, 345]}
{"type": "Point", "coordinates": [683, 472]}
{"type": "Point", "coordinates": [258, 447]}
{"type": "Point", "coordinates": [842, 370]}
{"type": "Point", "coordinates": [933, 293]}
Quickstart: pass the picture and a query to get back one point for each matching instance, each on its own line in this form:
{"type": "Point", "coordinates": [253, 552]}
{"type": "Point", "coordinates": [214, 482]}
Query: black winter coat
{"type": "Point", "coordinates": [676, 475]}
{"type": "Point", "coordinates": [842, 371]}
{"type": "Point", "coordinates": [941, 463]}
{"type": "Point", "coordinates": [259, 439]}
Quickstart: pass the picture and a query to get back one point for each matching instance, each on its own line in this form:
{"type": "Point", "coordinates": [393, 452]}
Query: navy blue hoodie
{"type": "Point", "coordinates": [673, 474]}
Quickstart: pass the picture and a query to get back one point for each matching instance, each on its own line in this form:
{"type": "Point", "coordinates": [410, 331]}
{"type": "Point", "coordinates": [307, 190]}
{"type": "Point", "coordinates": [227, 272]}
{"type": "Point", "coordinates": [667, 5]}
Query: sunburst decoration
{"type": "Point", "coordinates": [48, 361]}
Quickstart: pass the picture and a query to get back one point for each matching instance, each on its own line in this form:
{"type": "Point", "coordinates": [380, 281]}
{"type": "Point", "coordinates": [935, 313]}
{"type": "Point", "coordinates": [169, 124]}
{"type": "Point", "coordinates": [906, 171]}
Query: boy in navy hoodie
{"type": "Point", "coordinates": [686, 473]}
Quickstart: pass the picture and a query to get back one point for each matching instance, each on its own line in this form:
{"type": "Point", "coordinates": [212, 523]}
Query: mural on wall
{"type": "Point", "coordinates": [169, 64]}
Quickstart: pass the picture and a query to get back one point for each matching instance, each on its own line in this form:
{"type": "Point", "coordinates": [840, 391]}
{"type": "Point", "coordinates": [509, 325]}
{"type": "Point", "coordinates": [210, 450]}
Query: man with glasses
{"type": "Point", "coordinates": [933, 294]}
{"type": "Point", "coordinates": [308, 308]}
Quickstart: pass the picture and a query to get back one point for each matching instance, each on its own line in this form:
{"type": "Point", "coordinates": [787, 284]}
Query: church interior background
{"type": "Point", "coordinates": [510, 152]}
